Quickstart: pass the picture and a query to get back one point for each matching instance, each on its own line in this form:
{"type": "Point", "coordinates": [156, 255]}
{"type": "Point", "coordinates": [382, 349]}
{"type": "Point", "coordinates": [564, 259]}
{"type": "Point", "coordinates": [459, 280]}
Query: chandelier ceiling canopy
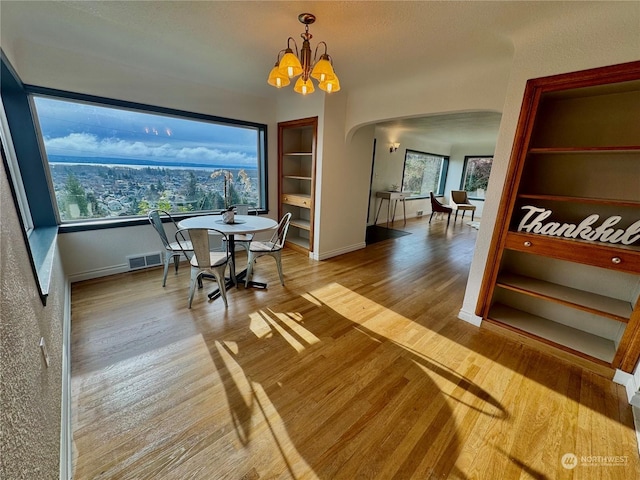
{"type": "Point", "coordinates": [289, 65]}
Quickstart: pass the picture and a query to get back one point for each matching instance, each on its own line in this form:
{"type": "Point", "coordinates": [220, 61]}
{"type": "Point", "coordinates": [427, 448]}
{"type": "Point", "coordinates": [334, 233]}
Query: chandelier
{"type": "Point", "coordinates": [289, 65]}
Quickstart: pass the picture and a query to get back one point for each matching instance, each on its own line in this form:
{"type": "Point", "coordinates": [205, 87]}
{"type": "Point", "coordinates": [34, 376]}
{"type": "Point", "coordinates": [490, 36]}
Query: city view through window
{"type": "Point", "coordinates": [110, 162]}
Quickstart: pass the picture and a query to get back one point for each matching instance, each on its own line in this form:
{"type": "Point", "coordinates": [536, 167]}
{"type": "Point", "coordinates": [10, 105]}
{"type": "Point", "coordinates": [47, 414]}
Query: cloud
{"type": "Point", "coordinates": [89, 145]}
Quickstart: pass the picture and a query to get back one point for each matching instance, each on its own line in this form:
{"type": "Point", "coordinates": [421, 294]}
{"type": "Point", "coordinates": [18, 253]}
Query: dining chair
{"type": "Point", "coordinates": [272, 248]}
{"type": "Point", "coordinates": [172, 250]}
{"type": "Point", "coordinates": [205, 259]}
{"type": "Point", "coordinates": [460, 201]}
{"type": "Point", "coordinates": [244, 239]}
{"type": "Point", "coordinates": [437, 207]}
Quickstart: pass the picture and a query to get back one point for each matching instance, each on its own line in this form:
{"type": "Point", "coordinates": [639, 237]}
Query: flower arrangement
{"type": "Point", "coordinates": [229, 190]}
{"type": "Point", "coordinates": [228, 178]}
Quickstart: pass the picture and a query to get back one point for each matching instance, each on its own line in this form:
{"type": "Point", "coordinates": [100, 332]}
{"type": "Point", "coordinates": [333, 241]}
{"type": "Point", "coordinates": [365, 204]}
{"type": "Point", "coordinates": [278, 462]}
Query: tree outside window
{"type": "Point", "coordinates": [424, 173]}
{"type": "Point", "coordinates": [475, 176]}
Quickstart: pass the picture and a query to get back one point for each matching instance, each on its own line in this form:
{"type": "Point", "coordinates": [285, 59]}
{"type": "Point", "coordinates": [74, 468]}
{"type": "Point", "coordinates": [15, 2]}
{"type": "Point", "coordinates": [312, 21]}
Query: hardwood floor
{"type": "Point", "coordinates": [356, 368]}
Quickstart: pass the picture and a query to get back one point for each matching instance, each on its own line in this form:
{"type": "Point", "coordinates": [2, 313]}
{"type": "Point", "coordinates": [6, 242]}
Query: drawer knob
{"type": "Point", "coordinates": [616, 260]}
{"type": "Point", "coordinates": [527, 243]}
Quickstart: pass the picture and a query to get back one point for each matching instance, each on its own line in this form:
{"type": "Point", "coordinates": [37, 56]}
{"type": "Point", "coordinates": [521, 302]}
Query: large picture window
{"type": "Point", "coordinates": [475, 176]}
{"type": "Point", "coordinates": [109, 161]}
{"type": "Point", "coordinates": [424, 173]}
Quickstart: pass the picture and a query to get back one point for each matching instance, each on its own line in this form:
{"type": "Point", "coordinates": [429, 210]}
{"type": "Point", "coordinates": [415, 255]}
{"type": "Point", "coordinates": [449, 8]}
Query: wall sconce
{"type": "Point", "coordinates": [393, 147]}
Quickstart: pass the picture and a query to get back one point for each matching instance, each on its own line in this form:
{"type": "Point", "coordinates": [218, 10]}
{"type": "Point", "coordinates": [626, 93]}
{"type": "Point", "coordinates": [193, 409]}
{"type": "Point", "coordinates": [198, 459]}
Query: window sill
{"type": "Point", "coordinates": [86, 225]}
{"type": "Point", "coordinates": [42, 242]}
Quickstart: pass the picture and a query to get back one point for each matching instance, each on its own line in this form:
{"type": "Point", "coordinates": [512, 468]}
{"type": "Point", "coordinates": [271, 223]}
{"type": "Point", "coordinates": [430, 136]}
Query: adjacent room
{"type": "Point", "coordinates": [329, 240]}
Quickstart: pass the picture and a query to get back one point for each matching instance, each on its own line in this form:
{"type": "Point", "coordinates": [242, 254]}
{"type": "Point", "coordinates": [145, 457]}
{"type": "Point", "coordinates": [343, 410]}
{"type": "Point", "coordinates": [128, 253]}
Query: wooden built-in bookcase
{"type": "Point", "coordinates": [296, 179]}
{"type": "Point", "coordinates": [576, 154]}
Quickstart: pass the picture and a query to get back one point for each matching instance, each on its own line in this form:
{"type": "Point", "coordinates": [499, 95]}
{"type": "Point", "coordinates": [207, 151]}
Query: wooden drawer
{"type": "Point", "coordinates": [588, 253]}
{"type": "Point", "coordinates": [296, 199]}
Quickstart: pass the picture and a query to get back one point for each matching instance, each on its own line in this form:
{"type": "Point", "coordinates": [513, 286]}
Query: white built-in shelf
{"type": "Point", "coordinates": [613, 308]}
{"type": "Point", "coordinates": [303, 242]}
{"type": "Point", "coordinates": [298, 153]}
{"type": "Point", "coordinates": [297, 177]}
{"type": "Point", "coordinates": [300, 223]}
{"type": "Point", "coordinates": [556, 333]}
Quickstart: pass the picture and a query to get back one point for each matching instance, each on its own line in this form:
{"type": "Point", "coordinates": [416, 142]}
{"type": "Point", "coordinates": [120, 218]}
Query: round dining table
{"type": "Point", "coordinates": [242, 224]}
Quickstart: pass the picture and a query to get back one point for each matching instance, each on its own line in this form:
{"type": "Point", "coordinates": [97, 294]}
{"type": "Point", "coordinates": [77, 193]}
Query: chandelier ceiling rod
{"type": "Point", "coordinates": [289, 65]}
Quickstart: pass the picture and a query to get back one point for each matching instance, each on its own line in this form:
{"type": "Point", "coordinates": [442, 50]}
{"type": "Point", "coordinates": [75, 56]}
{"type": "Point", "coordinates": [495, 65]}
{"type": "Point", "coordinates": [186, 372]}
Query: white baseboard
{"type": "Point", "coordinates": [66, 436]}
{"type": "Point", "coordinates": [339, 251]}
{"type": "Point", "coordinates": [627, 381]}
{"type": "Point", "coordinates": [99, 272]}
{"type": "Point", "coordinates": [636, 421]}
{"type": "Point", "coordinates": [469, 317]}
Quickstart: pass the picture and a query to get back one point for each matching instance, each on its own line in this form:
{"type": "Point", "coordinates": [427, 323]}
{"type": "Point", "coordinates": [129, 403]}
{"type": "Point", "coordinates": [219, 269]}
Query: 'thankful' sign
{"type": "Point", "coordinates": [534, 222]}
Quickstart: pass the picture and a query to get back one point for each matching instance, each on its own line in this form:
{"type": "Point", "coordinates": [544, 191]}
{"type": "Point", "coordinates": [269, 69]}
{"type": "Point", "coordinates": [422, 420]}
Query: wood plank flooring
{"type": "Point", "coordinates": [356, 369]}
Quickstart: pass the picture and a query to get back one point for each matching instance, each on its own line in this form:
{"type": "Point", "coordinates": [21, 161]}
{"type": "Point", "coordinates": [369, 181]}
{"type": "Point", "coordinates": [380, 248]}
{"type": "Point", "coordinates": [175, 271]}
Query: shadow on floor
{"type": "Point", "coordinates": [376, 233]}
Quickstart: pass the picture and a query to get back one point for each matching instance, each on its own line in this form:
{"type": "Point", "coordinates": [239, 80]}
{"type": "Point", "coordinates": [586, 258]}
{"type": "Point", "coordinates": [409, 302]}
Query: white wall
{"type": "Point", "coordinates": [31, 402]}
{"type": "Point", "coordinates": [344, 172]}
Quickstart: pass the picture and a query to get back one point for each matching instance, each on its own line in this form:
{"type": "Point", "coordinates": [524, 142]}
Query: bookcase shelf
{"type": "Point", "coordinates": [554, 333]}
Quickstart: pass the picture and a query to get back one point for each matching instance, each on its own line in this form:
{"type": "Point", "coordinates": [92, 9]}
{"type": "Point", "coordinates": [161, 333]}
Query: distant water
{"type": "Point", "coordinates": [110, 162]}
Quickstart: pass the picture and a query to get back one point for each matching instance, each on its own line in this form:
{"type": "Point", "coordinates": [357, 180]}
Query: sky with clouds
{"type": "Point", "coordinates": [73, 129]}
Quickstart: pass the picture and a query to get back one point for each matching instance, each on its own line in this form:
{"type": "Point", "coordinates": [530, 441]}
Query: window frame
{"type": "Point", "coordinates": [103, 223]}
{"type": "Point", "coordinates": [464, 173]}
{"type": "Point", "coordinates": [444, 169]}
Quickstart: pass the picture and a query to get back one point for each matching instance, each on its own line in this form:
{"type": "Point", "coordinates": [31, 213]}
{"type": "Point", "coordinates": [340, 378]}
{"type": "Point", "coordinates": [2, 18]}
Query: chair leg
{"type": "Point", "coordinates": [249, 273]}
{"type": "Point", "coordinates": [278, 258]}
{"type": "Point", "coordinates": [473, 213]}
{"type": "Point", "coordinates": [456, 217]}
{"type": "Point", "coordinates": [449, 219]}
{"type": "Point", "coordinates": [195, 276]}
{"type": "Point", "coordinates": [167, 258]}
{"type": "Point", "coordinates": [222, 284]}
{"type": "Point", "coordinates": [431, 216]}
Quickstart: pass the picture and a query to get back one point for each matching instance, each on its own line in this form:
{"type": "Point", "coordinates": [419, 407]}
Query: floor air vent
{"type": "Point", "coordinates": [137, 262]}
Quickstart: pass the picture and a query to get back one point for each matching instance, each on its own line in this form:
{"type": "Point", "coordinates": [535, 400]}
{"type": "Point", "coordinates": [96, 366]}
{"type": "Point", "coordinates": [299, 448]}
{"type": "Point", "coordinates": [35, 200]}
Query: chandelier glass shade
{"type": "Point", "coordinates": [300, 64]}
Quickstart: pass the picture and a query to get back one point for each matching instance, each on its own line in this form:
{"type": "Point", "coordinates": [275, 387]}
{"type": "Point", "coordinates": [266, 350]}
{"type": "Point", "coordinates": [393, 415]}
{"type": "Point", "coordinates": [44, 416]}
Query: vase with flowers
{"type": "Point", "coordinates": [228, 215]}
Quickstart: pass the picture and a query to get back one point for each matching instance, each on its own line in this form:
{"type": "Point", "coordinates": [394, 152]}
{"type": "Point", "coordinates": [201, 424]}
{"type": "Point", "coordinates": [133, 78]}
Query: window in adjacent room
{"type": "Point", "coordinates": [475, 175]}
{"type": "Point", "coordinates": [107, 161]}
{"type": "Point", "coordinates": [424, 173]}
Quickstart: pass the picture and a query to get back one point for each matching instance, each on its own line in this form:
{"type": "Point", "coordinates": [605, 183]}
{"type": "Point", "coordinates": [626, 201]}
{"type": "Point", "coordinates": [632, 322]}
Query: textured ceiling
{"type": "Point", "coordinates": [233, 44]}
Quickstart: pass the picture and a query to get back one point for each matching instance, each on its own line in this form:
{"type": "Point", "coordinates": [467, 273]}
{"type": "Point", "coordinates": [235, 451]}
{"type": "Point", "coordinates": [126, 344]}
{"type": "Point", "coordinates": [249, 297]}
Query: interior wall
{"type": "Point", "coordinates": [31, 393]}
{"type": "Point", "coordinates": [344, 174]}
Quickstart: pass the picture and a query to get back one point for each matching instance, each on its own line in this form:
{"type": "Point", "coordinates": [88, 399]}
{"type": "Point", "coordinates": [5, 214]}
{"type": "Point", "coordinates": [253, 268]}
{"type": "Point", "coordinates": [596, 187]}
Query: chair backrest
{"type": "Point", "coordinates": [242, 208]}
{"type": "Point", "coordinates": [280, 234]}
{"type": "Point", "coordinates": [459, 197]}
{"type": "Point", "coordinates": [156, 221]}
{"type": "Point", "coordinates": [436, 206]}
{"type": "Point", "coordinates": [200, 242]}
